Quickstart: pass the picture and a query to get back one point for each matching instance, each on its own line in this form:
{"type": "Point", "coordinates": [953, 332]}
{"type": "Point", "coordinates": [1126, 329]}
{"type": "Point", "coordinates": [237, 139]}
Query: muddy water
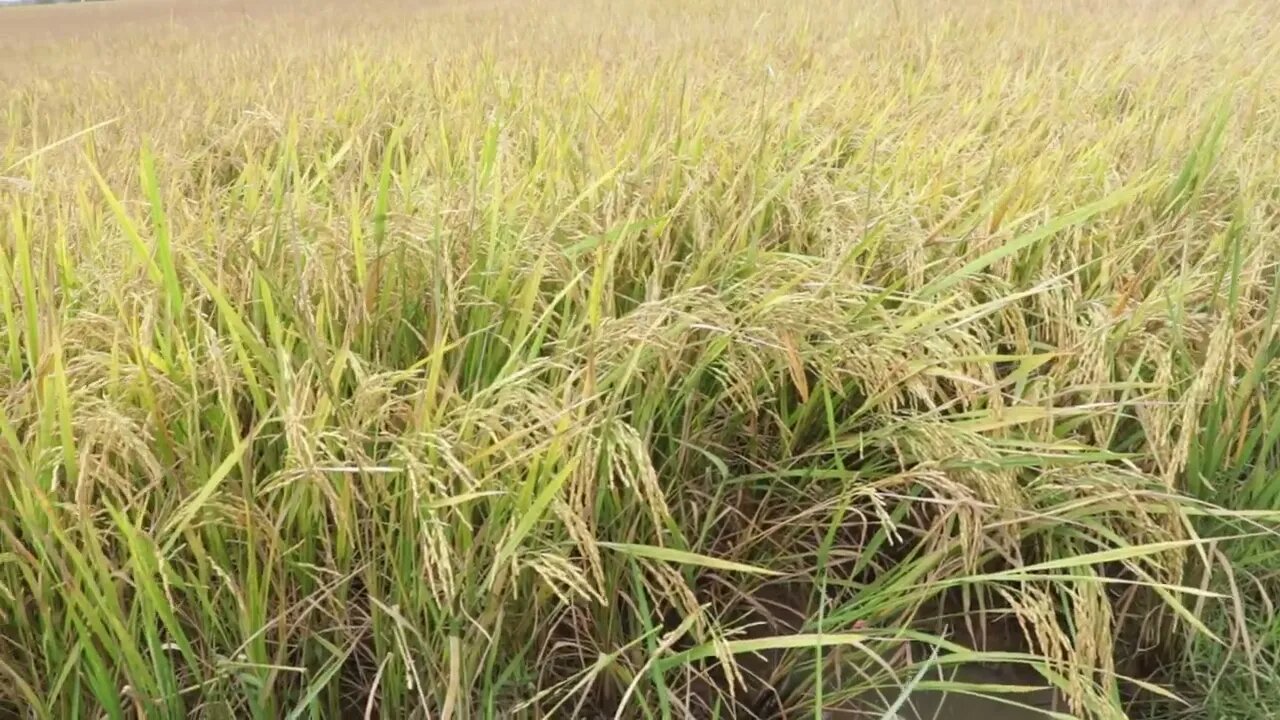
{"type": "Point", "coordinates": [781, 611]}
{"type": "Point", "coordinates": [934, 705]}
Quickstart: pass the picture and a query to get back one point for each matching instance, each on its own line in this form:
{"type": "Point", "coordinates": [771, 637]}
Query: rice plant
{"type": "Point", "coordinates": [645, 360]}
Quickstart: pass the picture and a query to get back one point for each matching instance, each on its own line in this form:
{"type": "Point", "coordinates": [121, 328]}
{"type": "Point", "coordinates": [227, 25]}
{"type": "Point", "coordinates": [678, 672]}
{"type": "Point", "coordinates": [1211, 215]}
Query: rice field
{"type": "Point", "coordinates": [475, 359]}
